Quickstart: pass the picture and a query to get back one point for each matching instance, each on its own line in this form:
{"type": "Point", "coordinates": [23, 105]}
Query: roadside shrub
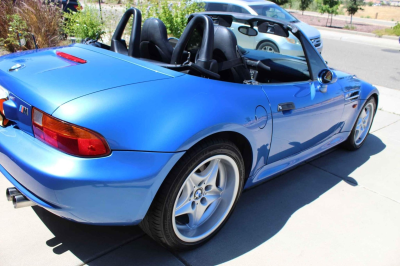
{"type": "Point", "coordinates": [174, 15]}
{"type": "Point", "coordinates": [349, 27]}
{"type": "Point", "coordinates": [22, 18]}
{"type": "Point", "coordinates": [84, 24]}
{"type": "Point", "coordinates": [17, 34]}
{"type": "Point", "coordinates": [391, 31]}
{"type": "Point", "coordinates": [44, 20]}
{"type": "Point", "coordinates": [396, 29]}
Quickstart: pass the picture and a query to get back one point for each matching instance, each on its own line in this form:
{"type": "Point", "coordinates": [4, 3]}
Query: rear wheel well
{"type": "Point", "coordinates": [241, 142]}
{"type": "Point", "coordinates": [267, 41]}
{"type": "Point", "coordinates": [376, 100]}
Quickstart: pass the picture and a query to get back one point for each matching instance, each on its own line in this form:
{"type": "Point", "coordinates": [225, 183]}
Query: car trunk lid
{"type": "Point", "coordinates": [45, 80]}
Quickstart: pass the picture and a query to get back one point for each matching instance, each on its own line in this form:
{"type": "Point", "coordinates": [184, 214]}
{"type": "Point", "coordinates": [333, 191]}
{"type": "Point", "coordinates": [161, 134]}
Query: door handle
{"type": "Point", "coordinates": [285, 107]}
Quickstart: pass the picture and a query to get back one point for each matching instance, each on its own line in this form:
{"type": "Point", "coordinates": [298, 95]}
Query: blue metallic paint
{"type": "Point", "coordinates": [316, 117]}
{"type": "Point", "coordinates": [150, 116]}
{"type": "Point", "coordinates": [117, 189]}
{"type": "Point", "coordinates": [179, 115]}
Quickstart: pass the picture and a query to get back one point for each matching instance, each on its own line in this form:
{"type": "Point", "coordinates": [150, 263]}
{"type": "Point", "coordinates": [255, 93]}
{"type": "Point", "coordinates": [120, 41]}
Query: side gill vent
{"type": "Point", "coordinates": [352, 96]}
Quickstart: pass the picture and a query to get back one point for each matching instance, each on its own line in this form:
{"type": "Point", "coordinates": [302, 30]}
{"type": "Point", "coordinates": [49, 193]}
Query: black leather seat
{"type": "Point", "coordinates": [231, 63]}
{"type": "Point", "coordinates": [154, 42]}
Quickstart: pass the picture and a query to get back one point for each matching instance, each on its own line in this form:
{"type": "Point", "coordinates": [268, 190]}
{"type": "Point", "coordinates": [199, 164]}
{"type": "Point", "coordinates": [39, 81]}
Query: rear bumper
{"type": "Point", "coordinates": [113, 190]}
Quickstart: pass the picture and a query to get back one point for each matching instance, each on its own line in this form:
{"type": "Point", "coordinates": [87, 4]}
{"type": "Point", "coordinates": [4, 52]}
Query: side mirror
{"type": "Point", "coordinates": [326, 77]}
{"type": "Point", "coordinates": [247, 31]}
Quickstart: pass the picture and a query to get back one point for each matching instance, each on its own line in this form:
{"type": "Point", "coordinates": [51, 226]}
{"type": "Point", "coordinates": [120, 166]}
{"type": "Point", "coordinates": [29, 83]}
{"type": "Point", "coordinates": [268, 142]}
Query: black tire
{"type": "Point", "coordinates": [158, 220]}
{"type": "Point", "coordinates": [350, 144]}
{"type": "Point", "coordinates": [268, 47]}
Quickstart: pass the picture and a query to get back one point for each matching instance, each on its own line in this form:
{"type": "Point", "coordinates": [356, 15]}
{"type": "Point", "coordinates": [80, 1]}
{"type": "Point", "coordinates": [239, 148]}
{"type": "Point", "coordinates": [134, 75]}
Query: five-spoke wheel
{"type": "Point", "coordinates": [205, 198]}
{"type": "Point", "coordinates": [198, 195]}
{"type": "Point", "coordinates": [361, 128]}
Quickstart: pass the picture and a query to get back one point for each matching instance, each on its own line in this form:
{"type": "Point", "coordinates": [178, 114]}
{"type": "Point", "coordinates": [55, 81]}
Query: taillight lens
{"type": "Point", "coordinates": [67, 137]}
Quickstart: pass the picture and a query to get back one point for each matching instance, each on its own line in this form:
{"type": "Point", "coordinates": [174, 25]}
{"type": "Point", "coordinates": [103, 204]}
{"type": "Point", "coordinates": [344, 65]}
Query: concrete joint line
{"type": "Point", "coordinates": [370, 190]}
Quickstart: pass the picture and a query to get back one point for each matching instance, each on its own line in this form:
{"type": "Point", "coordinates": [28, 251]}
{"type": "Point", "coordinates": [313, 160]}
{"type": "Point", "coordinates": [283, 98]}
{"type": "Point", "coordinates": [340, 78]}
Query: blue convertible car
{"type": "Point", "coordinates": [141, 132]}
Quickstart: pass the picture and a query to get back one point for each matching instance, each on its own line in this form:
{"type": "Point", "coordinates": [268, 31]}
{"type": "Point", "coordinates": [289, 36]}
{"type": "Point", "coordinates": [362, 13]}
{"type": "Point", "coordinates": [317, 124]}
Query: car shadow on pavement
{"type": "Point", "coordinates": [260, 214]}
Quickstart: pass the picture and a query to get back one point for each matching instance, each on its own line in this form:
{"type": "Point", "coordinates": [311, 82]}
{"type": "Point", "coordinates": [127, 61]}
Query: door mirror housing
{"type": "Point", "coordinates": [327, 76]}
{"type": "Point", "coordinates": [247, 31]}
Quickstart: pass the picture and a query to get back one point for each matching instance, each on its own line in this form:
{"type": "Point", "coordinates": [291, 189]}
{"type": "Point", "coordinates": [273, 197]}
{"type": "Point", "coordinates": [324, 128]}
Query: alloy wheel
{"type": "Point", "coordinates": [363, 123]}
{"type": "Point", "coordinates": [205, 198]}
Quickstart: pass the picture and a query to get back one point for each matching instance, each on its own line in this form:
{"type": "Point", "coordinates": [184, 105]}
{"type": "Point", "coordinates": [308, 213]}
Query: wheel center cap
{"type": "Point", "coordinates": [198, 194]}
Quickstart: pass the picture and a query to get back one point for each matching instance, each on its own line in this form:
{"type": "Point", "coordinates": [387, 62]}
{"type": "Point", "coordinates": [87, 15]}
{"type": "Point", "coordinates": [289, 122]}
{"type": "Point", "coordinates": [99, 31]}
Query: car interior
{"type": "Point", "coordinates": [207, 48]}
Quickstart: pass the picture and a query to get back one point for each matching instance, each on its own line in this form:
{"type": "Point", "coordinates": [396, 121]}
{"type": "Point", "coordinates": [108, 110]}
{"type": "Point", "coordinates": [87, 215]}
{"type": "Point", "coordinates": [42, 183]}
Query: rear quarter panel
{"type": "Point", "coordinates": [173, 114]}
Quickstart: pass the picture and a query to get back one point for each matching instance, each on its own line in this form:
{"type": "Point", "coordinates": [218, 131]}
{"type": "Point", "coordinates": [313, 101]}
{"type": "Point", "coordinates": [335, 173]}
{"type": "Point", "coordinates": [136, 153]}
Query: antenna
{"type": "Point", "coordinates": [34, 41]}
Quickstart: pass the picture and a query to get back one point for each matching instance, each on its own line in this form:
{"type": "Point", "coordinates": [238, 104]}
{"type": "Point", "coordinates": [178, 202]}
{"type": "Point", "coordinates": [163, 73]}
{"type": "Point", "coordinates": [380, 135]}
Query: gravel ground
{"type": "Point", "coordinates": [318, 21]}
{"type": "Point", "coordinates": [3, 52]}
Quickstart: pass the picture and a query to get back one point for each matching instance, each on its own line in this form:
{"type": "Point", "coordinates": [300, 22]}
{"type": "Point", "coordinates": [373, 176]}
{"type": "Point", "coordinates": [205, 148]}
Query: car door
{"type": "Point", "coordinates": [304, 113]}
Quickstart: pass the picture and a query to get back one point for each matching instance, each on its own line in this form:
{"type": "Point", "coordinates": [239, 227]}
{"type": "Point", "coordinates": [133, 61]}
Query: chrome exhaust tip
{"type": "Point", "coordinates": [20, 201]}
{"type": "Point", "coordinates": [11, 192]}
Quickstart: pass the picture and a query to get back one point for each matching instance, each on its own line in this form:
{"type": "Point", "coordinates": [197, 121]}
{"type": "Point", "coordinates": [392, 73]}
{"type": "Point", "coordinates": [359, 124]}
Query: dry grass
{"type": "Point", "coordinates": [391, 13]}
{"type": "Point", "coordinates": [43, 20]}
{"type": "Point", "coordinates": [40, 18]}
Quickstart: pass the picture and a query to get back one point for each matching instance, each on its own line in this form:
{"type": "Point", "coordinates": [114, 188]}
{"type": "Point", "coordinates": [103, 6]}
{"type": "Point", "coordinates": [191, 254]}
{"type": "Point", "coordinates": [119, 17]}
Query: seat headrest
{"type": "Point", "coordinates": [154, 42]}
{"type": "Point", "coordinates": [153, 29]}
{"type": "Point", "coordinates": [225, 40]}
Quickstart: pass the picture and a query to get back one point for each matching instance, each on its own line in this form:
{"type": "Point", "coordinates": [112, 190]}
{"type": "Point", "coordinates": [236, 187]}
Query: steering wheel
{"type": "Point", "coordinates": [117, 44]}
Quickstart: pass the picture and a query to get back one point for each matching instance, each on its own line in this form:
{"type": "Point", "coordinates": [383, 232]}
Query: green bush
{"type": "Point", "coordinates": [349, 27]}
{"type": "Point", "coordinates": [41, 18]}
{"type": "Point", "coordinates": [391, 31]}
{"type": "Point", "coordinates": [17, 34]}
{"type": "Point", "coordinates": [174, 15]}
{"type": "Point", "coordinates": [396, 29]}
{"type": "Point", "coordinates": [84, 24]}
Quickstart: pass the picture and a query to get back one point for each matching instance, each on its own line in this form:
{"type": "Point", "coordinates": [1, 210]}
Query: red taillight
{"type": "Point", "coordinates": [67, 137]}
{"type": "Point", "coordinates": [79, 8]}
{"type": "Point", "coordinates": [71, 57]}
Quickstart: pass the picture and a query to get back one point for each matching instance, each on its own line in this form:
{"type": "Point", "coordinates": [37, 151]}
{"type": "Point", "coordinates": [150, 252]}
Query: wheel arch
{"type": "Point", "coordinates": [241, 142]}
{"type": "Point", "coordinates": [270, 41]}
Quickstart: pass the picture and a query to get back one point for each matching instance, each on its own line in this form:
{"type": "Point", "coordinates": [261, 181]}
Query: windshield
{"type": "Point", "coordinates": [273, 11]}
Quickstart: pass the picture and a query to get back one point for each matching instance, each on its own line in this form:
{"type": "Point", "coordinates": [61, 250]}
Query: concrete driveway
{"type": "Point", "coordinates": [342, 208]}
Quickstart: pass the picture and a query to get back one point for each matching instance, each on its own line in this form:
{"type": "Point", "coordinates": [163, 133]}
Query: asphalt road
{"type": "Point", "coordinates": [375, 62]}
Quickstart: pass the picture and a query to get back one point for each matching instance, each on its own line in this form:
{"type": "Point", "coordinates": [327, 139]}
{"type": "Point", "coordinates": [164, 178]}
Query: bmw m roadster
{"type": "Point", "coordinates": [144, 132]}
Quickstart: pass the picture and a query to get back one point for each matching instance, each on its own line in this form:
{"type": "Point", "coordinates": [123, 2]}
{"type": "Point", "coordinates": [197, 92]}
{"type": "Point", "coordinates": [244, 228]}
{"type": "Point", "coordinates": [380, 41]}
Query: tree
{"type": "Point", "coordinates": [328, 6]}
{"type": "Point", "coordinates": [304, 4]}
{"type": "Point", "coordinates": [352, 7]}
{"type": "Point", "coordinates": [281, 2]}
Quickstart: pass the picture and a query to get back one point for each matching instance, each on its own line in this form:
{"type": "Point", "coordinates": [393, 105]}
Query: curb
{"type": "Point", "coordinates": [357, 33]}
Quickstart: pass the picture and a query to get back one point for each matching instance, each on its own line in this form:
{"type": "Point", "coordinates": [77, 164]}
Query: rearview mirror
{"type": "Point", "coordinates": [247, 31]}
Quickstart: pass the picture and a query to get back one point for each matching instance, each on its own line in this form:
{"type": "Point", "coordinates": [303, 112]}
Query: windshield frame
{"type": "Point", "coordinates": [294, 20]}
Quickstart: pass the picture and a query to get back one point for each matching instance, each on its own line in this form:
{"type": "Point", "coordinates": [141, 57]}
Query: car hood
{"type": "Point", "coordinates": [308, 30]}
{"type": "Point", "coordinates": [46, 80]}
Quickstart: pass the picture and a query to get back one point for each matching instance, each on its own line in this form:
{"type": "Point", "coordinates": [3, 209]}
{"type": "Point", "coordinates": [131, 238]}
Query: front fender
{"type": "Point", "coordinates": [172, 115]}
{"type": "Point", "coordinates": [351, 83]}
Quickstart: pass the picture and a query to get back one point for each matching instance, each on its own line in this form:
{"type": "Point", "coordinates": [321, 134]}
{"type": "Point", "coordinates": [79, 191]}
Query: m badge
{"type": "Point", "coordinates": [23, 109]}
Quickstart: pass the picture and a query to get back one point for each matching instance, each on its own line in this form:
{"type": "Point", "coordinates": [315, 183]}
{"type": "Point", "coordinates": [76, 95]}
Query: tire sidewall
{"type": "Point", "coordinates": [181, 174]}
{"type": "Point", "coordinates": [351, 137]}
{"type": "Point", "coordinates": [270, 44]}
